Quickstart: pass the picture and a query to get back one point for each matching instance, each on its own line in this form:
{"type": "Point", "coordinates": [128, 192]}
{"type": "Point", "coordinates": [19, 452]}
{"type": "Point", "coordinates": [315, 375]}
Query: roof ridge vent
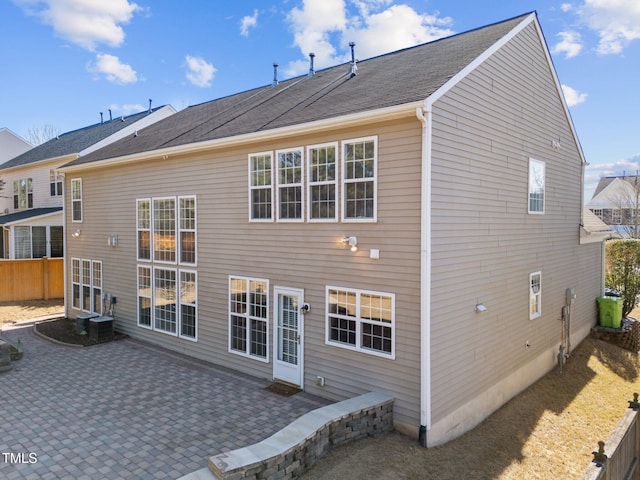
{"type": "Point", "coordinates": [354, 67]}
{"type": "Point", "coordinates": [110, 115]}
{"type": "Point", "coordinates": [312, 72]}
{"type": "Point", "coordinates": [101, 120]}
{"type": "Point", "coordinates": [149, 111]}
{"type": "Point", "coordinates": [275, 74]}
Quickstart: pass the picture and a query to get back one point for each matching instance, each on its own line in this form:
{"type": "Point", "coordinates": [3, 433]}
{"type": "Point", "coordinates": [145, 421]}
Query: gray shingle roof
{"type": "Point", "coordinates": [26, 214]}
{"type": "Point", "coordinates": [392, 79]}
{"type": "Point", "coordinates": [74, 141]}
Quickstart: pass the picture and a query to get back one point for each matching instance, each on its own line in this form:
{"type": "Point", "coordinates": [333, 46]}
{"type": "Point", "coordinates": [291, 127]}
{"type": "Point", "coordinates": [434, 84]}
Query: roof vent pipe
{"type": "Point", "coordinates": [312, 72]}
{"type": "Point", "coordinates": [110, 115]}
{"type": "Point", "coordinates": [354, 68]}
{"type": "Point", "coordinates": [101, 121]}
{"type": "Point", "coordinates": [275, 74]}
{"type": "Point", "coordinates": [149, 106]}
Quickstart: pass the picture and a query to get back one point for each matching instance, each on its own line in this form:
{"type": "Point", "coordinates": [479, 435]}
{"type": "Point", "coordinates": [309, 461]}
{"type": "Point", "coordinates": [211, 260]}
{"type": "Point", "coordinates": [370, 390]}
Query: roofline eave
{"type": "Point", "coordinates": [382, 114]}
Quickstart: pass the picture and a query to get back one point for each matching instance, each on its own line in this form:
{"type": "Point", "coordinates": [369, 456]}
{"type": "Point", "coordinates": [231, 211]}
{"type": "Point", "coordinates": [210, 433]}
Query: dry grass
{"type": "Point", "coordinates": [12, 312]}
{"type": "Point", "coordinates": [546, 432]}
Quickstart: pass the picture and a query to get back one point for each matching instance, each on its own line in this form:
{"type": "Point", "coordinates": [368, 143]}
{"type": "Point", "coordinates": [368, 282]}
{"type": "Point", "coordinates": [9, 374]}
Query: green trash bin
{"type": "Point", "coordinates": [610, 311]}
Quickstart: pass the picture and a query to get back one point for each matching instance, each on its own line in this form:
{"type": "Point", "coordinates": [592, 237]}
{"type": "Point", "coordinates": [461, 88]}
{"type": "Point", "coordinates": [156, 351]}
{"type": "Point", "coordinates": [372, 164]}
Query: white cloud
{"type": "Point", "coordinates": [397, 27]}
{"type": "Point", "coordinates": [572, 96]}
{"type": "Point", "coordinates": [375, 27]}
{"type": "Point", "coordinates": [86, 23]}
{"type": "Point", "coordinates": [566, 7]}
{"type": "Point", "coordinates": [127, 109]}
{"type": "Point", "coordinates": [617, 22]}
{"type": "Point", "coordinates": [570, 44]}
{"type": "Point", "coordinates": [199, 72]}
{"type": "Point", "coordinates": [250, 21]}
{"type": "Point", "coordinates": [113, 69]}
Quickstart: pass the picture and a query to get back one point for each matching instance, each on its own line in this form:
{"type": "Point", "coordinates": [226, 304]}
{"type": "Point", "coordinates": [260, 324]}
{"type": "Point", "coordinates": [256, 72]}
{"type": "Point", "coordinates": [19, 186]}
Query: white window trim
{"type": "Point", "coordinates": [138, 229]}
{"type": "Point", "coordinates": [261, 187]}
{"type": "Point", "coordinates": [179, 230]}
{"type": "Point", "coordinates": [358, 334]}
{"type": "Point", "coordinates": [286, 185]}
{"type": "Point", "coordinates": [195, 304]}
{"type": "Point", "coordinates": [78, 200]}
{"type": "Point", "coordinates": [175, 234]}
{"type": "Point", "coordinates": [533, 161]}
{"type": "Point", "coordinates": [537, 295]}
{"type": "Point", "coordinates": [150, 296]}
{"type": "Point", "coordinates": [153, 299]}
{"type": "Point", "coordinates": [78, 262]}
{"type": "Point", "coordinates": [344, 180]}
{"type": "Point", "coordinates": [94, 263]}
{"type": "Point", "coordinates": [83, 285]}
{"type": "Point", "coordinates": [334, 182]}
{"type": "Point", "coordinates": [247, 353]}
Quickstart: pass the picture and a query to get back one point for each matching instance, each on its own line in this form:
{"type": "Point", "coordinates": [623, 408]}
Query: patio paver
{"type": "Point", "coordinates": [127, 410]}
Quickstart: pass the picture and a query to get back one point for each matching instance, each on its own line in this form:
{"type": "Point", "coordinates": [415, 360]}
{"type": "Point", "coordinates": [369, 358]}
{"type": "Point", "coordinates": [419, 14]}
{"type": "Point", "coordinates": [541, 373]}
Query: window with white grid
{"type": "Point", "coordinates": [187, 229]}
{"type": "Point", "coordinates": [359, 165]}
{"type": "Point", "coordinates": [361, 320]}
{"type": "Point", "coordinates": [248, 317]}
{"type": "Point", "coordinates": [96, 286]}
{"type": "Point", "coordinates": [143, 220]}
{"type": "Point", "coordinates": [164, 300]}
{"type": "Point", "coordinates": [86, 285]}
{"type": "Point", "coordinates": [260, 187]}
{"type": "Point", "coordinates": [535, 295]}
{"type": "Point", "coordinates": [290, 192]}
{"type": "Point", "coordinates": [164, 229]}
{"type": "Point", "coordinates": [188, 304]}
{"type": "Point", "coordinates": [322, 182]}
{"type": "Point", "coordinates": [536, 186]}
{"type": "Point", "coordinates": [144, 296]}
{"type": "Point", "coordinates": [75, 283]}
{"type": "Point", "coordinates": [76, 199]}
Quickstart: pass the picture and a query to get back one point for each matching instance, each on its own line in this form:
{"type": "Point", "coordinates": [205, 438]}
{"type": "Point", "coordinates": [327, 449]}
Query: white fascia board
{"type": "Point", "coordinates": [31, 219]}
{"type": "Point", "coordinates": [61, 160]}
{"type": "Point", "coordinates": [382, 114]}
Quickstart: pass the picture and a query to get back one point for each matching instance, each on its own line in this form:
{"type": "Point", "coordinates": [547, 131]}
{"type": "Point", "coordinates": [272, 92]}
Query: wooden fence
{"type": "Point", "coordinates": [38, 279]}
{"type": "Point", "coordinates": [617, 458]}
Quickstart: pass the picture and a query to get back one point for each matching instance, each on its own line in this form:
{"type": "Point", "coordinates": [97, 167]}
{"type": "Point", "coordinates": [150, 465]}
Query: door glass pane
{"type": "Point", "coordinates": [288, 329]}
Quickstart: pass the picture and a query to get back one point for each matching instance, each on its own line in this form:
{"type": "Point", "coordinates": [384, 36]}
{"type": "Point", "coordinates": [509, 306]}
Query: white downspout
{"type": "Point", "coordinates": [64, 243]}
{"type": "Point", "coordinates": [424, 115]}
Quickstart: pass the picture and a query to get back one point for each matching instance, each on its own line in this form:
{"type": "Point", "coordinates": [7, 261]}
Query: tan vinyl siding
{"type": "Point", "coordinates": [485, 244]}
{"type": "Point", "coordinates": [300, 255]}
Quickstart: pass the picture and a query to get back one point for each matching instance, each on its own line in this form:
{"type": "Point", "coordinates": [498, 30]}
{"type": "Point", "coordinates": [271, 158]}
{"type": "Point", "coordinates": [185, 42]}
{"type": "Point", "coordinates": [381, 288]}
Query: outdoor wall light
{"type": "Point", "coordinates": [76, 234]}
{"type": "Point", "coordinates": [480, 308]}
{"type": "Point", "coordinates": [352, 242]}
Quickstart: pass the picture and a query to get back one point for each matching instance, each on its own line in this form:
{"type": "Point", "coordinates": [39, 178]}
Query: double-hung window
{"type": "Point", "coordinates": [164, 229]}
{"type": "Point", "coordinates": [261, 187]}
{"type": "Point", "coordinates": [289, 184]}
{"type": "Point", "coordinates": [248, 317]}
{"type": "Point", "coordinates": [359, 172]}
{"type": "Point", "coordinates": [23, 194]}
{"type": "Point", "coordinates": [75, 283]}
{"type": "Point", "coordinates": [536, 186]}
{"type": "Point", "coordinates": [55, 184]}
{"type": "Point", "coordinates": [86, 285]}
{"type": "Point", "coordinates": [535, 295]}
{"type": "Point", "coordinates": [76, 199]}
{"type": "Point", "coordinates": [322, 179]}
{"type": "Point", "coordinates": [361, 320]}
{"type": "Point", "coordinates": [166, 240]}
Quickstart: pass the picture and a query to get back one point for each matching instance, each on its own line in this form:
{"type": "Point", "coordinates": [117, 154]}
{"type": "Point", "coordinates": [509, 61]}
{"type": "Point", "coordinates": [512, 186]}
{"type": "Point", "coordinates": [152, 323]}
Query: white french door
{"type": "Point", "coordinates": [288, 336]}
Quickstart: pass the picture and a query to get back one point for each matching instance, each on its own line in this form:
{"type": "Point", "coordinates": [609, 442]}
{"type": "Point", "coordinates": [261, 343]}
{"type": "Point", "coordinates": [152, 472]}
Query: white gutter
{"type": "Point", "coordinates": [382, 114]}
{"type": "Point", "coordinates": [424, 114]}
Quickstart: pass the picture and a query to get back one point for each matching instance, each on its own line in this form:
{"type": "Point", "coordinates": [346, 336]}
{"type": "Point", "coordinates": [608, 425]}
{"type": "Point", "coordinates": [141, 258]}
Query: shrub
{"type": "Point", "coordinates": [623, 271]}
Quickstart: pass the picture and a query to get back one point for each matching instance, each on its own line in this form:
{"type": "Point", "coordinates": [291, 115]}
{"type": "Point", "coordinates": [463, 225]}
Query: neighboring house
{"type": "Point", "coordinates": [11, 145]}
{"type": "Point", "coordinates": [616, 201]}
{"type": "Point", "coordinates": [413, 229]}
{"type": "Point", "coordinates": [31, 216]}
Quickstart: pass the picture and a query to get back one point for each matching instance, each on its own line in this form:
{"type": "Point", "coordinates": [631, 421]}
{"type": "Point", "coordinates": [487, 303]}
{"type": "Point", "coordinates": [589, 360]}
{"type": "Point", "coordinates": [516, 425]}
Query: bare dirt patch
{"type": "Point", "coordinates": [13, 312]}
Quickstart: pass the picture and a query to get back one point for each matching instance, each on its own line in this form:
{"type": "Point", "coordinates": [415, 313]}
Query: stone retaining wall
{"type": "Point", "coordinates": [294, 449]}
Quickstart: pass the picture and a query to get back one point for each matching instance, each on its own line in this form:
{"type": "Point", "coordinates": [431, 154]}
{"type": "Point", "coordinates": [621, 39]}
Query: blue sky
{"type": "Point", "coordinates": [65, 61]}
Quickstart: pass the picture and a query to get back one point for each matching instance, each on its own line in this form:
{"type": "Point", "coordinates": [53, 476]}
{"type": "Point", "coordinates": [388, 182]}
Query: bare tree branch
{"type": "Point", "coordinates": [42, 133]}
